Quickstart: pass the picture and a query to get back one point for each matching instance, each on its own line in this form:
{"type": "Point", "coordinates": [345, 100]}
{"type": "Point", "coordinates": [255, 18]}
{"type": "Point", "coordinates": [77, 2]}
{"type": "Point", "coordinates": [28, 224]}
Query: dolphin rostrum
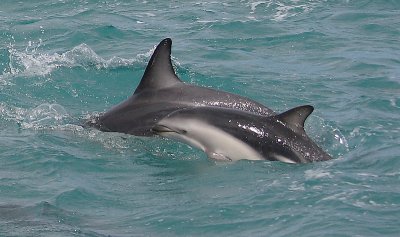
{"type": "Point", "coordinates": [161, 92]}
{"type": "Point", "coordinates": [230, 134]}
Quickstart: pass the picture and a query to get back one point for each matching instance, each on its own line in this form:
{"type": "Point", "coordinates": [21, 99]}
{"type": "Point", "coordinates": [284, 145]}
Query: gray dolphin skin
{"type": "Point", "coordinates": [161, 92]}
{"type": "Point", "coordinates": [230, 134]}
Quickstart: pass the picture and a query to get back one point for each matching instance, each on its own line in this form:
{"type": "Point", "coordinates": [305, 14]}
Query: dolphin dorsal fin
{"type": "Point", "coordinates": [159, 72]}
{"type": "Point", "coordinates": [295, 118]}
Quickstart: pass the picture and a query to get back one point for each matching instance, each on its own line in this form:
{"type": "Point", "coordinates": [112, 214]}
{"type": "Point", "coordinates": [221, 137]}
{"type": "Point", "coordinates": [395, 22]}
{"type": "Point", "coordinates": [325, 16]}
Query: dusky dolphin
{"type": "Point", "coordinates": [159, 93]}
{"type": "Point", "coordinates": [230, 134]}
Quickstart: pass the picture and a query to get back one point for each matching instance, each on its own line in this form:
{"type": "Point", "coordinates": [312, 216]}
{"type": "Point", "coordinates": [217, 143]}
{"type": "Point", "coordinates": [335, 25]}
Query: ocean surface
{"type": "Point", "coordinates": [62, 62]}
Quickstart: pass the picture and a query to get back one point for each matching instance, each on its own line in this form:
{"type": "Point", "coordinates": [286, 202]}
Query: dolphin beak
{"type": "Point", "coordinates": [159, 129]}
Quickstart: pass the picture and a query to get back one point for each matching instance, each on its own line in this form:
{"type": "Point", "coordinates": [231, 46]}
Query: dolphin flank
{"type": "Point", "coordinates": [161, 92]}
{"type": "Point", "coordinates": [231, 134]}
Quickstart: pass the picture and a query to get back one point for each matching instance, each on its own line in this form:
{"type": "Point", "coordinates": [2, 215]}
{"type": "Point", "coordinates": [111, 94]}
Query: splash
{"type": "Point", "coordinates": [31, 62]}
{"type": "Point", "coordinates": [327, 136]}
{"type": "Point", "coordinates": [43, 116]}
{"type": "Point", "coordinates": [55, 118]}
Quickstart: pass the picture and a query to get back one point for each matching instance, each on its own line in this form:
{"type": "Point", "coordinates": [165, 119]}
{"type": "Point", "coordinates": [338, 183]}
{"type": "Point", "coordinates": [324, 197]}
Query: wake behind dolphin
{"type": "Point", "coordinates": [161, 92]}
{"type": "Point", "coordinates": [230, 134]}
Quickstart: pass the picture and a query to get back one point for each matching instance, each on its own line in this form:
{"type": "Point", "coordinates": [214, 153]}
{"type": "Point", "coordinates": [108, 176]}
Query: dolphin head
{"type": "Point", "coordinates": [179, 126]}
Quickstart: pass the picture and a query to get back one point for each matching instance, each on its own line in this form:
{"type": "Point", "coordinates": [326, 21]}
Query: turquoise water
{"type": "Point", "coordinates": [64, 61]}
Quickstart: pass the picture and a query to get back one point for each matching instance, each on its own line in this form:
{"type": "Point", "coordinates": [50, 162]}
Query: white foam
{"type": "Point", "coordinates": [253, 5]}
{"type": "Point", "coordinates": [393, 103]}
{"type": "Point", "coordinates": [296, 186]}
{"type": "Point", "coordinates": [317, 174]}
{"type": "Point", "coordinates": [283, 9]}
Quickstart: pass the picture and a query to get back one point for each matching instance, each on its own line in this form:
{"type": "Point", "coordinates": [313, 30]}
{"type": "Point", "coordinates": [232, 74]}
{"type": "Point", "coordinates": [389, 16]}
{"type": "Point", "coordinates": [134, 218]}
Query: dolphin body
{"type": "Point", "coordinates": [161, 92]}
{"type": "Point", "coordinates": [230, 134]}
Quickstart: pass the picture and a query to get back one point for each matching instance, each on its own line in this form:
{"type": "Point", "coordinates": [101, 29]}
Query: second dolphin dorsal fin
{"type": "Point", "coordinates": [295, 118]}
{"type": "Point", "coordinates": [159, 72]}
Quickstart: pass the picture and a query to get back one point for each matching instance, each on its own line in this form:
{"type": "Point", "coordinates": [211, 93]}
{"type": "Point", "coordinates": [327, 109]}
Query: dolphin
{"type": "Point", "coordinates": [161, 92]}
{"type": "Point", "coordinates": [231, 134]}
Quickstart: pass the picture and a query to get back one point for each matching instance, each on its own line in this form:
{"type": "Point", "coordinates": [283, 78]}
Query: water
{"type": "Point", "coordinates": [64, 61]}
